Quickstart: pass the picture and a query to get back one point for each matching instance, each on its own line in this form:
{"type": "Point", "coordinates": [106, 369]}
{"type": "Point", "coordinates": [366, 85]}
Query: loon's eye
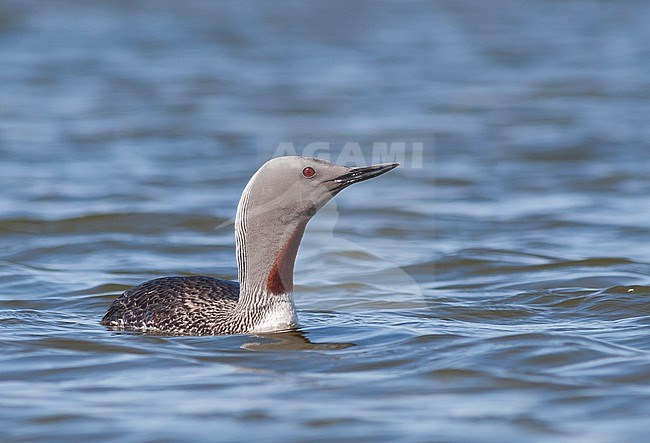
{"type": "Point", "coordinates": [308, 172]}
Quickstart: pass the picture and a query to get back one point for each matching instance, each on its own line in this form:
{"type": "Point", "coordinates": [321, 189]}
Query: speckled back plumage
{"type": "Point", "coordinates": [180, 305]}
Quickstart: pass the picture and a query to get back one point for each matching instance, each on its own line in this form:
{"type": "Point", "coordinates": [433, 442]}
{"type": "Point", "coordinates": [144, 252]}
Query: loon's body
{"type": "Point", "coordinates": [271, 218]}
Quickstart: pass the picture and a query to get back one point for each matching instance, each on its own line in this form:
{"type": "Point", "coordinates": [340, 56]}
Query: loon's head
{"type": "Point", "coordinates": [294, 188]}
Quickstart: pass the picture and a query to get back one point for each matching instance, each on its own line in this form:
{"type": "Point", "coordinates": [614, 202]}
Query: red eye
{"type": "Point", "coordinates": [308, 172]}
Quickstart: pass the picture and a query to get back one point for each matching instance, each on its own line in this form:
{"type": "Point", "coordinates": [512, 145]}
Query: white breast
{"type": "Point", "coordinates": [280, 318]}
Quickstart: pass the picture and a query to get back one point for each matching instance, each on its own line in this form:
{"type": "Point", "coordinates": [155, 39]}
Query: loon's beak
{"type": "Point", "coordinates": [356, 175]}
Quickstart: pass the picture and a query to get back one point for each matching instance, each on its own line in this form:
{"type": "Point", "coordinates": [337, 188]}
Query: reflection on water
{"type": "Point", "coordinates": [291, 341]}
{"type": "Point", "coordinates": [294, 340]}
{"type": "Point", "coordinates": [497, 293]}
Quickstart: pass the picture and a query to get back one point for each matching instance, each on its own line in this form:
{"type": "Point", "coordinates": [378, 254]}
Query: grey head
{"type": "Point", "coordinates": [279, 200]}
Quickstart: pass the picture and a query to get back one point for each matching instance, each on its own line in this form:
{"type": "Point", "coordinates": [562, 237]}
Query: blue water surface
{"type": "Point", "coordinates": [494, 288]}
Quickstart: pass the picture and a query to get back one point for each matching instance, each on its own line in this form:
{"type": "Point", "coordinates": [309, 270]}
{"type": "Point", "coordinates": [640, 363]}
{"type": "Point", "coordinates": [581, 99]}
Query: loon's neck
{"type": "Point", "coordinates": [266, 247]}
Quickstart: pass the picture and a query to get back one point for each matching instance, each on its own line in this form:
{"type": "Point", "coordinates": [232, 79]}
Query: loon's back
{"type": "Point", "coordinates": [177, 305]}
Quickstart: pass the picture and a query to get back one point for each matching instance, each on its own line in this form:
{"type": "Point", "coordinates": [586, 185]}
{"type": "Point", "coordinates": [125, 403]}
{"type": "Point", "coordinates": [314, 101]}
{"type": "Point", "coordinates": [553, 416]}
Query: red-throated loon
{"type": "Point", "coordinates": [273, 211]}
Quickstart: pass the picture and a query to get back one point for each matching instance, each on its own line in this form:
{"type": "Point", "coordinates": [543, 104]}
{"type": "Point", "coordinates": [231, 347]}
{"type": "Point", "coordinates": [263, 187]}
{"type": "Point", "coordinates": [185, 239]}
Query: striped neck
{"type": "Point", "coordinates": [267, 243]}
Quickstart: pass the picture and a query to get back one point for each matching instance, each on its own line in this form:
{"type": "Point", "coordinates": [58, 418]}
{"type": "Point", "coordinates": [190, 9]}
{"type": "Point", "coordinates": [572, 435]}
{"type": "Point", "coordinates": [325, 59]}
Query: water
{"type": "Point", "coordinates": [500, 292]}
